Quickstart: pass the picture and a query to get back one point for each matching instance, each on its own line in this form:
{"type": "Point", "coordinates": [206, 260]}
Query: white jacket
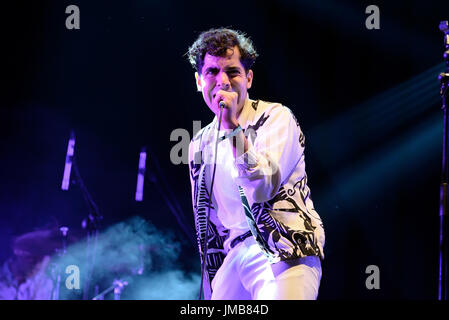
{"type": "Point", "coordinates": [273, 184]}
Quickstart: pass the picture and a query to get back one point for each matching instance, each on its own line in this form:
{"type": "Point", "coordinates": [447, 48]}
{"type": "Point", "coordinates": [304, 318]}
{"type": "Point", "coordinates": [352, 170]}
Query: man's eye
{"type": "Point", "coordinates": [211, 72]}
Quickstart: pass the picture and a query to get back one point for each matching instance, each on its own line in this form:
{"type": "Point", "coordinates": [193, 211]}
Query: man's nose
{"type": "Point", "coordinates": [223, 81]}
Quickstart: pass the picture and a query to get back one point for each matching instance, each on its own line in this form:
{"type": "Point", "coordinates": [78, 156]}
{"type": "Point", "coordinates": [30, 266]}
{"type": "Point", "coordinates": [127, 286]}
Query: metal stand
{"type": "Point", "coordinates": [118, 285]}
{"type": "Point", "coordinates": [57, 268]}
{"type": "Point", "coordinates": [91, 225]}
{"type": "Point", "coordinates": [444, 80]}
{"type": "Point", "coordinates": [162, 187]}
{"type": "Point", "coordinates": [205, 245]}
{"type": "Point", "coordinates": [92, 235]}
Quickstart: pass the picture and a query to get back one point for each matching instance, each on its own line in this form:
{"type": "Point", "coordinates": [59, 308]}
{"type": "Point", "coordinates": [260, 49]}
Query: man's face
{"type": "Point", "coordinates": [224, 73]}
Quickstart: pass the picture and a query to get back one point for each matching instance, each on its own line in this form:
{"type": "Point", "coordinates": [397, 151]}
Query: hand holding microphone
{"type": "Point", "coordinates": [222, 104]}
{"type": "Point", "coordinates": [227, 100]}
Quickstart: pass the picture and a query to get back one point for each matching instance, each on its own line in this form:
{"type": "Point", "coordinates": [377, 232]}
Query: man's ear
{"type": "Point", "coordinates": [249, 77]}
{"type": "Point", "coordinates": [199, 85]}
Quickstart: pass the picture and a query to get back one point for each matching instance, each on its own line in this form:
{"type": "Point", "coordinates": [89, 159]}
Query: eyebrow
{"type": "Point", "coordinates": [233, 69]}
{"type": "Point", "coordinates": [227, 69]}
{"type": "Point", "coordinates": [210, 69]}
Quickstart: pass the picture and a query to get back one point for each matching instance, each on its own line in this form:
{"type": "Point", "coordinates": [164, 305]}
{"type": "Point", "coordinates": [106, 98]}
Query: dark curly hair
{"type": "Point", "coordinates": [216, 42]}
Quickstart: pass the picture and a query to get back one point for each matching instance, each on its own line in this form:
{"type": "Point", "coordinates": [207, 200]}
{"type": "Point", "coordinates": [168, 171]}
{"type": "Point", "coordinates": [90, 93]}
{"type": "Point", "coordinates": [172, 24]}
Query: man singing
{"type": "Point", "coordinates": [264, 238]}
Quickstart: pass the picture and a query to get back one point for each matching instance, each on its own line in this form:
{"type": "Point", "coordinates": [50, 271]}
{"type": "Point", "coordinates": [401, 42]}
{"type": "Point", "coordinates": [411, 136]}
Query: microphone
{"type": "Point", "coordinates": [68, 162]}
{"type": "Point", "coordinates": [222, 104]}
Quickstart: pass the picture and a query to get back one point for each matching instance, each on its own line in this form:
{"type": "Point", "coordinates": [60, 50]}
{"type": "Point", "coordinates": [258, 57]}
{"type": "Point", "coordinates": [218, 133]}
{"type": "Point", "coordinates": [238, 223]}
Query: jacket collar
{"type": "Point", "coordinates": [245, 117]}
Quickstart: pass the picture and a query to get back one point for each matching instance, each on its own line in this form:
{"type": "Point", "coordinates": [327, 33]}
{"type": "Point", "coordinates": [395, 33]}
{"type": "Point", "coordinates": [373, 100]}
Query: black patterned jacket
{"type": "Point", "coordinates": [272, 175]}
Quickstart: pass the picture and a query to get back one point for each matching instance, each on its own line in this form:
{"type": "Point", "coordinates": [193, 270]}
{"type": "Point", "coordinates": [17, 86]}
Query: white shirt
{"type": "Point", "coordinates": [226, 194]}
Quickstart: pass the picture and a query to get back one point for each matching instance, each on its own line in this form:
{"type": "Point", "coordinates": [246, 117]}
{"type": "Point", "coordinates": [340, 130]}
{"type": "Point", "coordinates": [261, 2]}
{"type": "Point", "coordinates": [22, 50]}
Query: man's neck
{"type": "Point", "coordinates": [245, 102]}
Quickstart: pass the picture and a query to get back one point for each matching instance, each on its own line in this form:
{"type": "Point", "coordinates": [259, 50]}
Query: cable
{"type": "Point", "coordinates": [205, 246]}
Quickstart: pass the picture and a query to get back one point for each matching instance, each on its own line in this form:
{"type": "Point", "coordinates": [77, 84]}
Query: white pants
{"type": "Point", "coordinates": [246, 274]}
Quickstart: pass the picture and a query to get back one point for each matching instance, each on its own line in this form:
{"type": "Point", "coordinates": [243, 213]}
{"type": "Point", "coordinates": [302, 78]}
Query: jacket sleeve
{"type": "Point", "coordinates": [194, 168]}
{"type": "Point", "coordinates": [192, 171]}
{"type": "Point", "coordinates": [271, 157]}
{"type": "Point", "coordinates": [194, 163]}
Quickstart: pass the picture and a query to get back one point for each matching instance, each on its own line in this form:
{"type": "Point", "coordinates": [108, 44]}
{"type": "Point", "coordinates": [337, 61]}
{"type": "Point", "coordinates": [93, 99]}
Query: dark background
{"type": "Point", "coordinates": [373, 129]}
